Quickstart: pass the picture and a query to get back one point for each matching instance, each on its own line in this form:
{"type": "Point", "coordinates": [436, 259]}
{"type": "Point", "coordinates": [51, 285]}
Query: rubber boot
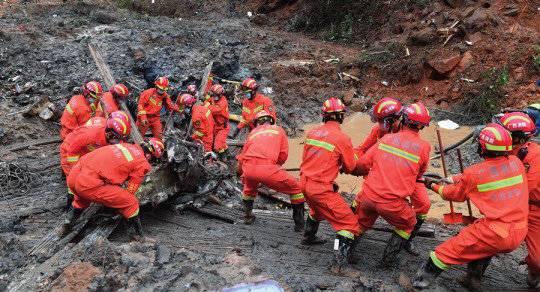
{"type": "Point", "coordinates": [310, 238]}
{"type": "Point", "coordinates": [409, 245]}
{"type": "Point", "coordinates": [249, 218]}
{"type": "Point", "coordinates": [72, 215]}
{"type": "Point", "coordinates": [342, 251]}
{"type": "Point", "coordinates": [134, 230]}
{"type": "Point", "coordinates": [475, 272]}
{"type": "Point", "coordinates": [426, 275]}
{"type": "Point", "coordinates": [298, 217]}
{"type": "Point", "coordinates": [392, 249]}
{"type": "Point", "coordinates": [533, 280]}
{"type": "Point", "coordinates": [353, 259]}
{"type": "Point", "coordinates": [69, 201]}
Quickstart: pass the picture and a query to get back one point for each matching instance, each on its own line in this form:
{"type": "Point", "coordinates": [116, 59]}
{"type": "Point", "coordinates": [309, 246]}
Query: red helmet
{"type": "Point", "coordinates": [250, 84]}
{"type": "Point", "coordinates": [333, 105]}
{"type": "Point", "coordinates": [119, 127]}
{"type": "Point", "coordinates": [93, 88]}
{"type": "Point", "coordinates": [518, 122]}
{"type": "Point", "coordinates": [264, 116]}
{"type": "Point", "coordinates": [157, 147]}
{"type": "Point", "coordinates": [386, 107]}
{"type": "Point", "coordinates": [416, 114]}
{"type": "Point", "coordinates": [120, 90]}
{"type": "Point", "coordinates": [192, 88]}
{"type": "Point", "coordinates": [162, 83]}
{"type": "Point", "coordinates": [217, 89]}
{"type": "Point", "coordinates": [187, 100]}
{"type": "Point", "coordinates": [495, 138]}
{"type": "Point", "coordinates": [121, 115]}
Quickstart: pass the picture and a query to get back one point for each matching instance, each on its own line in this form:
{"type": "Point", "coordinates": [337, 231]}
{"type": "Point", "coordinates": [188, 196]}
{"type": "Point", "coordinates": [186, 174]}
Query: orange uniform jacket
{"type": "Point", "coordinates": [109, 103]}
{"type": "Point", "coordinates": [497, 186]}
{"type": "Point", "coordinates": [150, 104]}
{"type": "Point", "coordinates": [250, 108]}
{"type": "Point", "coordinates": [532, 163]}
{"type": "Point", "coordinates": [395, 162]}
{"type": "Point", "coordinates": [113, 165]}
{"type": "Point", "coordinates": [327, 149]}
{"type": "Point", "coordinates": [266, 144]}
{"type": "Point", "coordinates": [83, 140]}
{"type": "Point", "coordinates": [203, 126]}
{"type": "Point", "coordinates": [77, 112]}
{"type": "Point", "coordinates": [220, 113]}
{"type": "Point", "coordinates": [374, 135]}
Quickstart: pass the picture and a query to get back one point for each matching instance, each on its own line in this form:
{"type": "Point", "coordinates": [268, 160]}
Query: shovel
{"type": "Point", "coordinates": [452, 217]}
{"type": "Point", "coordinates": [466, 219]}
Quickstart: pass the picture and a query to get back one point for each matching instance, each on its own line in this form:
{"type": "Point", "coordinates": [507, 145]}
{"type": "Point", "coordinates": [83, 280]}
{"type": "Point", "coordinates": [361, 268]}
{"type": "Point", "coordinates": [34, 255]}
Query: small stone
{"type": "Point", "coordinates": [444, 66]}
{"type": "Point", "coordinates": [466, 61]}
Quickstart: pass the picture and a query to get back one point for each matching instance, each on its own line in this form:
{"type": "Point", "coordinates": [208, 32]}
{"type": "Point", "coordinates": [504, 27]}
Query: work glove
{"type": "Point", "coordinates": [235, 132]}
{"type": "Point", "coordinates": [210, 154]}
{"type": "Point", "coordinates": [335, 186]}
{"type": "Point", "coordinates": [429, 181]}
{"type": "Point", "coordinates": [522, 153]}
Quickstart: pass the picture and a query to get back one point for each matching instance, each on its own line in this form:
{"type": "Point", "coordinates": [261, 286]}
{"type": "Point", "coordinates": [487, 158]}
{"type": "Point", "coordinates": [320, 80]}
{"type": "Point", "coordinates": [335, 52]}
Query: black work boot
{"type": "Point", "coordinates": [298, 217]}
{"type": "Point", "coordinates": [310, 238]}
{"type": "Point", "coordinates": [249, 218]}
{"type": "Point", "coordinates": [475, 272]}
{"type": "Point", "coordinates": [72, 215]}
{"type": "Point", "coordinates": [533, 280]}
{"type": "Point", "coordinates": [353, 259]}
{"type": "Point", "coordinates": [392, 249]}
{"type": "Point", "coordinates": [134, 230]}
{"type": "Point", "coordinates": [426, 275]}
{"type": "Point", "coordinates": [69, 201]}
{"type": "Point", "coordinates": [409, 245]}
{"type": "Point", "coordinates": [342, 251]}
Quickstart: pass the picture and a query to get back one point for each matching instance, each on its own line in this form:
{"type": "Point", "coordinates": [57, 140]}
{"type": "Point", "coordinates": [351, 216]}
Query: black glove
{"type": "Point", "coordinates": [336, 187]}
{"type": "Point", "coordinates": [429, 181]}
{"type": "Point", "coordinates": [235, 132]}
{"type": "Point", "coordinates": [522, 153]}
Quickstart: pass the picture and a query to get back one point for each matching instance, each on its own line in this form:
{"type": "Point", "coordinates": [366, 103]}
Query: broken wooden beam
{"type": "Point", "coordinates": [110, 82]}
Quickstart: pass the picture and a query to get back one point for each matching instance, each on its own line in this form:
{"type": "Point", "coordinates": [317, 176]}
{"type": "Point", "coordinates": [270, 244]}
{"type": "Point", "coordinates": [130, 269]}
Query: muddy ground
{"type": "Point", "coordinates": [43, 52]}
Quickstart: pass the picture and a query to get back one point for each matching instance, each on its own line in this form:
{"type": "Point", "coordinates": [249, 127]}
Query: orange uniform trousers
{"type": "Point", "coordinates": [480, 240]}
{"type": "Point", "coordinates": [154, 124]}
{"type": "Point", "coordinates": [397, 212]}
{"type": "Point", "coordinates": [326, 204]}
{"type": "Point", "coordinates": [533, 239]}
{"type": "Point", "coordinates": [220, 139]}
{"type": "Point", "coordinates": [271, 176]}
{"type": "Point", "coordinates": [111, 196]}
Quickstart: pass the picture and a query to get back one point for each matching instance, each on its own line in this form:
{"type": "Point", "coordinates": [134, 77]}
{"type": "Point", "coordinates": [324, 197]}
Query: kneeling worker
{"type": "Point", "coordinates": [99, 176]}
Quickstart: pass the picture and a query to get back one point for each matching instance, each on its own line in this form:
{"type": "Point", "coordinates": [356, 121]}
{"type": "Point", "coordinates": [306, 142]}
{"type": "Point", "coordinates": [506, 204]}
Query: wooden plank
{"type": "Point", "coordinates": [110, 82]}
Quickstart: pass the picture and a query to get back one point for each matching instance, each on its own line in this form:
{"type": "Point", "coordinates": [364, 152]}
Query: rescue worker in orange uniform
{"type": "Point", "coordinates": [150, 105]}
{"type": "Point", "coordinates": [81, 108]}
{"type": "Point", "coordinates": [387, 114]}
{"type": "Point", "coordinates": [110, 98]}
{"type": "Point", "coordinates": [99, 177]}
{"type": "Point", "coordinates": [201, 121]}
{"type": "Point", "coordinates": [253, 103]}
{"type": "Point", "coordinates": [260, 161]}
{"type": "Point", "coordinates": [92, 136]}
{"type": "Point", "coordinates": [395, 164]}
{"type": "Point", "coordinates": [219, 106]}
{"type": "Point", "coordinates": [327, 150]}
{"type": "Point", "coordinates": [522, 128]}
{"type": "Point", "coordinates": [498, 187]}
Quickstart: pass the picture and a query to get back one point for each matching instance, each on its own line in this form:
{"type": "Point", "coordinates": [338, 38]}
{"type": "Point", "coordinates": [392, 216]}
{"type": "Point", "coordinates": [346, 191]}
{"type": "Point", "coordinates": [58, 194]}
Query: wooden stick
{"type": "Point", "coordinates": [109, 81]}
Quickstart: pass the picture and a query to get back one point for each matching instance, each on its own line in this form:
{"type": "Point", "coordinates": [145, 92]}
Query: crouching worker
{"type": "Point", "coordinates": [99, 177]}
{"type": "Point", "coordinates": [498, 187]}
{"type": "Point", "coordinates": [260, 161]}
